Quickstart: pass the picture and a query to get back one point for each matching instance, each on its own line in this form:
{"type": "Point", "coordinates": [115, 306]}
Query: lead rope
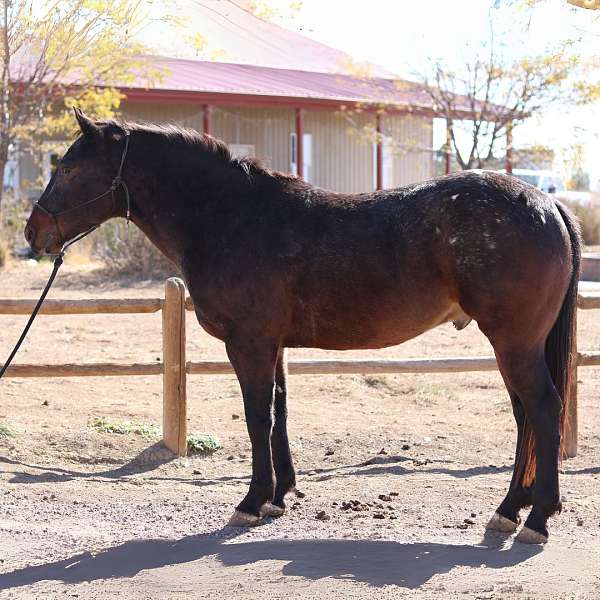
{"type": "Point", "coordinates": [58, 261]}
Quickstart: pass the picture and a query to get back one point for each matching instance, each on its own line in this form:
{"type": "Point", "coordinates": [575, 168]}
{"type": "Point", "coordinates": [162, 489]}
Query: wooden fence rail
{"type": "Point", "coordinates": [174, 368]}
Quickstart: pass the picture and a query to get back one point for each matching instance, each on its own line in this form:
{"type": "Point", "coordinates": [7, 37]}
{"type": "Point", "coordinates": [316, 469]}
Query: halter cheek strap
{"type": "Point", "coordinates": [117, 182]}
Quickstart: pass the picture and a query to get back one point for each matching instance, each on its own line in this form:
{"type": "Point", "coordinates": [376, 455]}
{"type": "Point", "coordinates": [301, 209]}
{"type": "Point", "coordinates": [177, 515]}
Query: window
{"type": "Point", "coordinates": [52, 153]}
{"type": "Point", "coordinates": [307, 155]}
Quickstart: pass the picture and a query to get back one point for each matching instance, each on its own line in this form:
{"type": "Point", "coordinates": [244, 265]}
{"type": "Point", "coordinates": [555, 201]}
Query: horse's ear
{"type": "Point", "coordinates": [89, 129]}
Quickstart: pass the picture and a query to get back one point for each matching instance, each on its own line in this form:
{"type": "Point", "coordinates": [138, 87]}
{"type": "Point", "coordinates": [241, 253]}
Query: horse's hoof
{"type": "Point", "coordinates": [271, 510]}
{"type": "Point", "coordinates": [242, 519]}
{"type": "Point", "coordinates": [500, 523]}
{"type": "Point", "coordinates": [529, 536]}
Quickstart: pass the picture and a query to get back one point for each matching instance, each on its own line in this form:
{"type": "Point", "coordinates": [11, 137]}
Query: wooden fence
{"type": "Point", "coordinates": [174, 368]}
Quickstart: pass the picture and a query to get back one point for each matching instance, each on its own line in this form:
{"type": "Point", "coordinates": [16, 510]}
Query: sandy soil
{"type": "Point", "coordinates": [95, 515]}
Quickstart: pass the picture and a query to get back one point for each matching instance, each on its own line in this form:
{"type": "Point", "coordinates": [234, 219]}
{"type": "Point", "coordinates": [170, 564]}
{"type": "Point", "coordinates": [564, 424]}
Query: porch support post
{"type": "Point", "coordinates": [509, 148]}
{"type": "Point", "coordinates": [379, 153]}
{"type": "Point", "coordinates": [207, 119]}
{"type": "Point", "coordinates": [448, 150]}
{"type": "Point", "coordinates": [300, 143]}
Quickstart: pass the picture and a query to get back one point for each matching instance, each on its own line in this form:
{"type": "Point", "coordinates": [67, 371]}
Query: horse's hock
{"type": "Point", "coordinates": [174, 368]}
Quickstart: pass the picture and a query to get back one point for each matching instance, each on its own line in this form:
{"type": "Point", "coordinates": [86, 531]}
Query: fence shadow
{"type": "Point", "coordinates": [156, 455]}
{"type": "Point", "coordinates": [382, 465]}
{"type": "Point", "coordinates": [148, 460]}
{"type": "Point", "coordinates": [373, 562]}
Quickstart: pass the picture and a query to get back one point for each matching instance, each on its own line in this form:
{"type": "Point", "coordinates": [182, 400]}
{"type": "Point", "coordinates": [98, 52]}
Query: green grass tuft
{"type": "Point", "coordinates": [202, 443]}
{"type": "Point", "coordinates": [6, 430]}
{"type": "Point", "coordinates": [146, 430]}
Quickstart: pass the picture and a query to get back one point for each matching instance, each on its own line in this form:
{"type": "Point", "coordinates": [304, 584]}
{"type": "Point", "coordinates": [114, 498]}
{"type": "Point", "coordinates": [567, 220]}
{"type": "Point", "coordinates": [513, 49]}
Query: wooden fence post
{"type": "Point", "coordinates": [174, 376]}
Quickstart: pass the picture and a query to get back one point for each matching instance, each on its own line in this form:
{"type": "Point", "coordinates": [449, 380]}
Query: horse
{"type": "Point", "coordinates": [273, 262]}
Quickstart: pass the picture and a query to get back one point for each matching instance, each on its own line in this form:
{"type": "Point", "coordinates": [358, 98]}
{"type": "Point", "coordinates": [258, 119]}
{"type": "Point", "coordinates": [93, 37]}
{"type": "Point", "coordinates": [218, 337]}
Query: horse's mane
{"type": "Point", "coordinates": [190, 138]}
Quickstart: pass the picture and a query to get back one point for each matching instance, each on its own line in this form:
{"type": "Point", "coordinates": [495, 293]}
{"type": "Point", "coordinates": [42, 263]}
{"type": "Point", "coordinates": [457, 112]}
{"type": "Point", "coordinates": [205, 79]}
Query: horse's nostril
{"type": "Point", "coordinates": [29, 233]}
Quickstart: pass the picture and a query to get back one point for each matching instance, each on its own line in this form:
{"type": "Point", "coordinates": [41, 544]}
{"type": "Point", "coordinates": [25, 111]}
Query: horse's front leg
{"type": "Point", "coordinates": [254, 363]}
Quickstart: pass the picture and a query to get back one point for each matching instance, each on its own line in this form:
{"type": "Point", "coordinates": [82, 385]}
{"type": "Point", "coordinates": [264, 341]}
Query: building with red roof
{"type": "Point", "coordinates": [285, 99]}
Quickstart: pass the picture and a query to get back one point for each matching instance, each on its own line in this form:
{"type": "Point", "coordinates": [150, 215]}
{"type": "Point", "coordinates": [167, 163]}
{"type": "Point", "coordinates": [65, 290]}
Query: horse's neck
{"type": "Point", "coordinates": [174, 224]}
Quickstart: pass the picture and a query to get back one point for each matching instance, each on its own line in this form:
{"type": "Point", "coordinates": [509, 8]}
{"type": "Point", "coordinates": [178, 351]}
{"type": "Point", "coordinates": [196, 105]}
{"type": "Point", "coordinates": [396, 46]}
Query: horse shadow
{"type": "Point", "coordinates": [376, 563]}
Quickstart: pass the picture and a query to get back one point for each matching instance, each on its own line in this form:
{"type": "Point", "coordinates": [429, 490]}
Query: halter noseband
{"type": "Point", "coordinates": [117, 182]}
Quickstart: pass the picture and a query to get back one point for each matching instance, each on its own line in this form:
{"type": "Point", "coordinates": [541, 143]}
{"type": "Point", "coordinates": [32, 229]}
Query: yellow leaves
{"type": "Point", "coordinates": [355, 68]}
{"type": "Point", "coordinates": [262, 10]}
{"type": "Point", "coordinates": [265, 9]}
{"type": "Point", "coordinates": [589, 4]}
{"type": "Point", "coordinates": [198, 42]}
{"type": "Point", "coordinates": [78, 50]}
{"type": "Point", "coordinates": [98, 6]}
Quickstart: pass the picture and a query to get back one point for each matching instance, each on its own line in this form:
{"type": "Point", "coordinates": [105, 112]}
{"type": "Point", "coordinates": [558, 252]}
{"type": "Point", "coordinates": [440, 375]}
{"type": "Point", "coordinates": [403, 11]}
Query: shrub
{"type": "Point", "coordinates": [124, 249]}
{"type": "Point", "coordinates": [589, 217]}
{"type": "Point", "coordinates": [12, 220]}
{"type": "Point", "coordinates": [146, 430]}
{"type": "Point", "coordinates": [202, 443]}
{"type": "Point", "coordinates": [4, 253]}
{"type": "Point", "coordinates": [6, 430]}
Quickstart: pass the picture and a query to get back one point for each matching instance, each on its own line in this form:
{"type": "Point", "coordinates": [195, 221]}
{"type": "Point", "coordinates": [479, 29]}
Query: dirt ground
{"type": "Point", "coordinates": [97, 515]}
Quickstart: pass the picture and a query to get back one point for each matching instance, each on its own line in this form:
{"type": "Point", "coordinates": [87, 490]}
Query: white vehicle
{"type": "Point", "coordinates": [547, 181]}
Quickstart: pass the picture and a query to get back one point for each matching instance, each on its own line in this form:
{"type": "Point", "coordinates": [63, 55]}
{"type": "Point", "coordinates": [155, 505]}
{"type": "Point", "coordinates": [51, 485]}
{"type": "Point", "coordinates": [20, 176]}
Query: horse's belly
{"type": "Point", "coordinates": [379, 327]}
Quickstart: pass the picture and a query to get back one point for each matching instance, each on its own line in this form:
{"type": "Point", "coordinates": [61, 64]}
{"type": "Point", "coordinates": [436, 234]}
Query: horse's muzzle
{"type": "Point", "coordinates": [41, 232]}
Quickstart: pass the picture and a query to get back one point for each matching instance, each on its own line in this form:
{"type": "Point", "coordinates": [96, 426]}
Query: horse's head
{"type": "Point", "coordinates": [84, 191]}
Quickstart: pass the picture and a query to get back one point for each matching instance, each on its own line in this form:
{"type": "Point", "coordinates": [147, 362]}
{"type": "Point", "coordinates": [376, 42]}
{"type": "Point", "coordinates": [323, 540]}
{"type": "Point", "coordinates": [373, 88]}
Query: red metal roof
{"type": "Point", "coordinates": [190, 78]}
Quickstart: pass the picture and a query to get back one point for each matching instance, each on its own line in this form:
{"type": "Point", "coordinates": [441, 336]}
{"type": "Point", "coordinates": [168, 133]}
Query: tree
{"type": "Point", "coordinates": [490, 94]}
{"type": "Point", "coordinates": [59, 54]}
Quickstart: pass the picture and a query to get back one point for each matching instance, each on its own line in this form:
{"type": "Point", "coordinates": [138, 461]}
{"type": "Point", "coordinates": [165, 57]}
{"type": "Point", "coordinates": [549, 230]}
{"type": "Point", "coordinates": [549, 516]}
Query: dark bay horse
{"type": "Point", "coordinates": [273, 262]}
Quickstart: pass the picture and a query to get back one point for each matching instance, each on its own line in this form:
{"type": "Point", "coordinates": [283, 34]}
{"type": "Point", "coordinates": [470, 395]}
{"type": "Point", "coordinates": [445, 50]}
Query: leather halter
{"type": "Point", "coordinates": [117, 182]}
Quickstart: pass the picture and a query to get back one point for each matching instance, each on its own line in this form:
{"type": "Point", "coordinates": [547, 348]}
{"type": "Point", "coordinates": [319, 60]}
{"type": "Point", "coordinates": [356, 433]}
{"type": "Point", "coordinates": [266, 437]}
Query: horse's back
{"type": "Point", "coordinates": [393, 264]}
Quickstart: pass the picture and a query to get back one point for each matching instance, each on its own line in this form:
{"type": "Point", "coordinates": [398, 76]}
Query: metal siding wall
{"type": "Point", "coordinates": [182, 114]}
{"type": "Point", "coordinates": [342, 161]}
{"type": "Point", "coordinates": [342, 154]}
{"type": "Point", "coordinates": [267, 129]}
{"type": "Point", "coordinates": [413, 136]}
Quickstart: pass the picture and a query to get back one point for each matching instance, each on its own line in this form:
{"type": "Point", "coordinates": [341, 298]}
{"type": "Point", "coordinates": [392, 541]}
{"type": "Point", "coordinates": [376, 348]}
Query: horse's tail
{"type": "Point", "coordinates": [561, 352]}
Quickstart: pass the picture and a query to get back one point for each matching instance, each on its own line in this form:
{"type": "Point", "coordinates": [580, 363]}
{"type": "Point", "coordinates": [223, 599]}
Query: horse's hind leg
{"type": "Point", "coordinates": [527, 374]}
{"type": "Point", "coordinates": [506, 517]}
{"type": "Point", "coordinates": [282, 457]}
